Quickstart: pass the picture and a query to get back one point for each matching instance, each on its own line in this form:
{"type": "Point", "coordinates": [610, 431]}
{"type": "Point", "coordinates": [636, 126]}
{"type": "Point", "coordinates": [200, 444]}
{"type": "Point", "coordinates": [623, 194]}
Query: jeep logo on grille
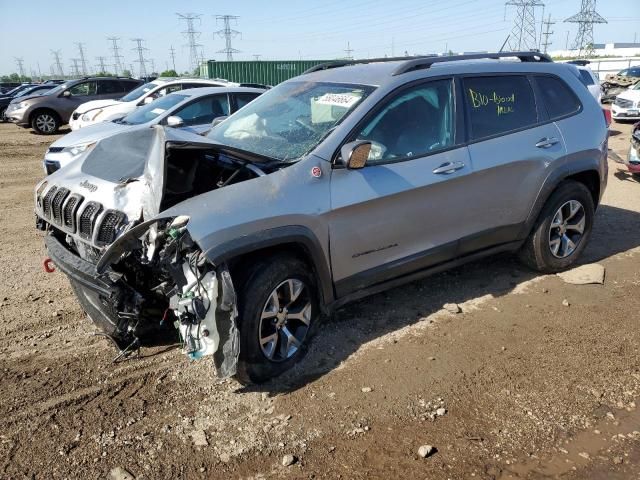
{"type": "Point", "coordinates": [89, 186]}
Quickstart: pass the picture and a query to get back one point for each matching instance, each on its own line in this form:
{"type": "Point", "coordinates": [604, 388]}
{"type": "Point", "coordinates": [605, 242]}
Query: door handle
{"type": "Point", "coordinates": [547, 142]}
{"type": "Point", "coordinates": [449, 167]}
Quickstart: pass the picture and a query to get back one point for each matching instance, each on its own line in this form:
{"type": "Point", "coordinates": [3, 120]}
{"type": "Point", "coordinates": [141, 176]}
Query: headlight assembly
{"type": "Point", "coordinates": [91, 115]}
{"type": "Point", "coordinates": [76, 150]}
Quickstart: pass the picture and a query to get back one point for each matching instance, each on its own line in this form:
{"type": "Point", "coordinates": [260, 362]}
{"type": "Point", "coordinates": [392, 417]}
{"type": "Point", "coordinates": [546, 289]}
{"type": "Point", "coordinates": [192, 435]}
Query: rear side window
{"type": "Point", "coordinates": [243, 98]}
{"type": "Point", "coordinates": [108, 86]}
{"type": "Point", "coordinates": [557, 97]}
{"type": "Point", "coordinates": [497, 105]}
{"type": "Point", "coordinates": [586, 78]}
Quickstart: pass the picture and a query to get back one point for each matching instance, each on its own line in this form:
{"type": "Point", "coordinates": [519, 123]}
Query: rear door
{"type": "Point", "coordinates": [511, 144]}
{"type": "Point", "coordinates": [407, 208]}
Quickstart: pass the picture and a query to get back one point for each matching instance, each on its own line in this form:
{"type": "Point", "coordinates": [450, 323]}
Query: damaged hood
{"type": "Point", "coordinates": [123, 172]}
{"type": "Point", "coordinates": [85, 107]}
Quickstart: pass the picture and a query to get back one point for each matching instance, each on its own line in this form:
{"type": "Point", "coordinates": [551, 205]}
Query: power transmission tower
{"type": "Point", "coordinates": [118, 65]}
{"type": "Point", "coordinates": [153, 65]}
{"type": "Point", "coordinates": [192, 36]}
{"type": "Point", "coordinates": [547, 33]}
{"type": "Point", "coordinates": [228, 33]}
{"type": "Point", "coordinates": [20, 65]}
{"type": "Point", "coordinates": [585, 19]}
{"type": "Point", "coordinates": [75, 69]}
{"type": "Point", "coordinates": [173, 58]}
{"type": "Point", "coordinates": [58, 63]}
{"type": "Point", "coordinates": [101, 64]}
{"type": "Point", "coordinates": [141, 61]}
{"type": "Point", "coordinates": [348, 51]}
{"type": "Point", "coordinates": [83, 62]}
{"type": "Point", "coordinates": [257, 57]}
{"type": "Point", "coordinates": [523, 34]}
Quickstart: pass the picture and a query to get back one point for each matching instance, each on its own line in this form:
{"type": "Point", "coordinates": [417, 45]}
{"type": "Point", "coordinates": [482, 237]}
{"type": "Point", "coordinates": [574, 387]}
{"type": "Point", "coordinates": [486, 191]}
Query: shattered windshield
{"type": "Point", "coordinates": [290, 120]}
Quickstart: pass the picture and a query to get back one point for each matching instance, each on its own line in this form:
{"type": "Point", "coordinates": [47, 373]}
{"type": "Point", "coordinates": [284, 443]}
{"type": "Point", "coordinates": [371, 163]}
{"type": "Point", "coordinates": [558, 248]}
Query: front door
{"type": "Point", "coordinates": [407, 208]}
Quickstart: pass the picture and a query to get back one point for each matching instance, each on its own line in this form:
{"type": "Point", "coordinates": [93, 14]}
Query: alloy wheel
{"type": "Point", "coordinates": [46, 123]}
{"type": "Point", "coordinates": [285, 320]}
{"type": "Point", "coordinates": [567, 229]}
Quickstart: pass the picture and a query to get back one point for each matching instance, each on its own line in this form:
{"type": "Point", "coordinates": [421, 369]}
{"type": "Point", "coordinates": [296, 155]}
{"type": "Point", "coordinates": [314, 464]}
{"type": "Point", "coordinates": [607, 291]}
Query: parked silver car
{"type": "Point", "coordinates": [342, 182]}
{"type": "Point", "coordinates": [192, 110]}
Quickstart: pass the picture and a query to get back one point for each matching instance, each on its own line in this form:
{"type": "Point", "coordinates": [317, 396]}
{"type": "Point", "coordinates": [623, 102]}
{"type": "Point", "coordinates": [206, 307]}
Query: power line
{"type": "Point", "coordinates": [523, 34]}
{"type": "Point", "coordinates": [173, 58]}
{"type": "Point", "coordinates": [101, 64]}
{"type": "Point", "coordinates": [228, 33]}
{"type": "Point", "coordinates": [20, 65]}
{"type": "Point", "coordinates": [192, 35]}
{"type": "Point", "coordinates": [547, 33]}
{"type": "Point", "coordinates": [141, 61]}
{"type": "Point", "coordinates": [585, 19]}
{"type": "Point", "coordinates": [56, 55]}
{"type": "Point", "coordinates": [83, 62]}
{"type": "Point", "coordinates": [118, 60]}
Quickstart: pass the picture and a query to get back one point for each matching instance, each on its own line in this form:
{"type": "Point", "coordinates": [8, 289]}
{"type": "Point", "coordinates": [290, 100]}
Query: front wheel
{"type": "Point", "coordinates": [562, 230]}
{"type": "Point", "coordinates": [279, 311]}
{"type": "Point", "coordinates": [45, 123]}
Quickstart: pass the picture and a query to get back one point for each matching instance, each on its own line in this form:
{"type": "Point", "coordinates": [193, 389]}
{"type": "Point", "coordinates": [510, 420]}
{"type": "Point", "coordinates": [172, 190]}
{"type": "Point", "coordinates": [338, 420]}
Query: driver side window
{"type": "Point", "coordinates": [203, 111]}
{"type": "Point", "coordinates": [418, 121]}
{"type": "Point", "coordinates": [83, 89]}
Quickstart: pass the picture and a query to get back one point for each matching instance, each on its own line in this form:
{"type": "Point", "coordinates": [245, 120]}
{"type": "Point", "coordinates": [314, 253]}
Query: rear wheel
{"type": "Point", "coordinates": [3, 119]}
{"type": "Point", "coordinates": [562, 230]}
{"type": "Point", "coordinates": [279, 312]}
{"type": "Point", "coordinates": [45, 122]}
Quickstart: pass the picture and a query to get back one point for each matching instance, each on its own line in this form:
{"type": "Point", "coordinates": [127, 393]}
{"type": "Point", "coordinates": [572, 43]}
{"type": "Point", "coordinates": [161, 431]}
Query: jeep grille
{"type": "Point", "coordinates": [111, 220]}
{"type": "Point", "coordinates": [88, 219]}
{"type": "Point", "coordinates": [56, 204]}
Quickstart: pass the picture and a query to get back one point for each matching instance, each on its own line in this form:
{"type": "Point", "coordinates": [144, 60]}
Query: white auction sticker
{"type": "Point", "coordinates": [158, 111]}
{"type": "Point", "coordinates": [345, 100]}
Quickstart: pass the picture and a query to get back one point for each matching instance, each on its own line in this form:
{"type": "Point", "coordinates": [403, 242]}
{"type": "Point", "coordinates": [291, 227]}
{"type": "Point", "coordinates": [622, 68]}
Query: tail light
{"type": "Point", "coordinates": [607, 116]}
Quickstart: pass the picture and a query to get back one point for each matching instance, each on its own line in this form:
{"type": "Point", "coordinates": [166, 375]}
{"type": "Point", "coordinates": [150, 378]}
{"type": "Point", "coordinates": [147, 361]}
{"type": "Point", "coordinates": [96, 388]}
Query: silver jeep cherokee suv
{"type": "Point", "coordinates": [342, 182]}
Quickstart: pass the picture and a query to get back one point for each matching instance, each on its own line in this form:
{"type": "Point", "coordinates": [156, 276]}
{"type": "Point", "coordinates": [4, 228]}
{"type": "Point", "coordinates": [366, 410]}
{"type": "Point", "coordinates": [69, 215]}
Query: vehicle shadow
{"type": "Point", "coordinates": [625, 176]}
{"type": "Point", "coordinates": [616, 230]}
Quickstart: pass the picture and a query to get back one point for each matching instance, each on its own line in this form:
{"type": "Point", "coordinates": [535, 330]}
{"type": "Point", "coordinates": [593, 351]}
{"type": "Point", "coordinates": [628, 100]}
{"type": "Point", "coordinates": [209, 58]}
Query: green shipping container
{"type": "Point", "coordinates": [266, 72]}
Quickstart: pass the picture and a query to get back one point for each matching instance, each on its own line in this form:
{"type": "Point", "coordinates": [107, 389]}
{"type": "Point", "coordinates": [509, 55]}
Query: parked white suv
{"type": "Point", "coordinates": [103, 110]}
{"type": "Point", "coordinates": [626, 106]}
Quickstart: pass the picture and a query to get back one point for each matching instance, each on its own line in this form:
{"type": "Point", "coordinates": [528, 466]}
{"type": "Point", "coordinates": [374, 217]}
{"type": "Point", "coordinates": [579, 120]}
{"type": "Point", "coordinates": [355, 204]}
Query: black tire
{"type": "Point", "coordinates": [536, 252]}
{"type": "Point", "coordinates": [253, 365]}
{"type": "Point", "coordinates": [101, 315]}
{"type": "Point", "coordinates": [45, 122]}
{"type": "Point", "coordinates": [3, 119]}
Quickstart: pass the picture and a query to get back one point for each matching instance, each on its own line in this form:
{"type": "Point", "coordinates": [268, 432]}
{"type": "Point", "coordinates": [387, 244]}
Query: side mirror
{"type": "Point", "coordinates": [175, 121]}
{"type": "Point", "coordinates": [66, 94]}
{"type": "Point", "coordinates": [148, 100]}
{"type": "Point", "coordinates": [218, 120]}
{"type": "Point", "coordinates": [354, 155]}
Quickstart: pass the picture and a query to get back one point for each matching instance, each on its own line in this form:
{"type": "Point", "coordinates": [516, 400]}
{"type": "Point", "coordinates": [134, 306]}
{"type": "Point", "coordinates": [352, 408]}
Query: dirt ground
{"type": "Point", "coordinates": [527, 387]}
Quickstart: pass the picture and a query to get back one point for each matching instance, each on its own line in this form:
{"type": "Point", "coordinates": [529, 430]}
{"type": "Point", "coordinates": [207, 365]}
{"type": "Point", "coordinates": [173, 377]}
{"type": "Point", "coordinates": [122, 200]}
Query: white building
{"type": "Point", "coordinates": [604, 50]}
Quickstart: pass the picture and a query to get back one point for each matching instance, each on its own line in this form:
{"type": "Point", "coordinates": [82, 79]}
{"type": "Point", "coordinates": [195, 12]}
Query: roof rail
{"type": "Point", "coordinates": [420, 62]}
{"type": "Point", "coordinates": [345, 63]}
{"type": "Point", "coordinates": [426, 62]}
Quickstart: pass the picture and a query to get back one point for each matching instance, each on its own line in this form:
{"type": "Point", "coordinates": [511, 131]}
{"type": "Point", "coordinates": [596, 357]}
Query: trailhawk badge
{"type": "Point", "coordinates": [316, 172]}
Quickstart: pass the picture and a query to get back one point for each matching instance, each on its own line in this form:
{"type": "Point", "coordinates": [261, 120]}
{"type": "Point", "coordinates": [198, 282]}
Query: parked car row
{"type": "Point", "coordinates": [20, 94]}
{"type": "Point", "coordinates": [355, 177]}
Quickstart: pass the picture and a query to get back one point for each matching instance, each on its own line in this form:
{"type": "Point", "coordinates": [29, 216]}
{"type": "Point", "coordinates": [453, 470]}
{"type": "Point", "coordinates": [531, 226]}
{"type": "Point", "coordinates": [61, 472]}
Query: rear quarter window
{"type": "Point", "coordinates": [557, 97]}
{"type": "Point", "coordinates": [498, 105]}
{"type": "Point", "coordinates": [586, 78]}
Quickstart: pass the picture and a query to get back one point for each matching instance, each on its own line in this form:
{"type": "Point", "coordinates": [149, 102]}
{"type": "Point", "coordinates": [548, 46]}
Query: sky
{"type": "Point", "coordinates": [280, 29]}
